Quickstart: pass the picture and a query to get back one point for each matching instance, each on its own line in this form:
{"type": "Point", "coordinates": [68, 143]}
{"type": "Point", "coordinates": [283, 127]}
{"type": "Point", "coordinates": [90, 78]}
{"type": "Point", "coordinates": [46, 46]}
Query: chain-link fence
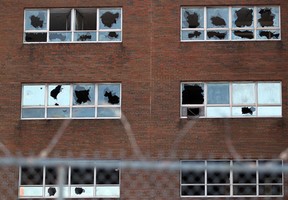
{"type": "Point", "coordinates": [34, 178]}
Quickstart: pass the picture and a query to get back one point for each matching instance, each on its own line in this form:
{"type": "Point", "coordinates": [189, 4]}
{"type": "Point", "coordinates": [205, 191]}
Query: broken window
{"type": "Point", "coordinates": [225, 178]}
{"type": "Point", "coordinates": [42, 182]}
{"type": "Point", "coordinates": [230, 23]}
{"type": "Point", "coordinates": [71, 101]}
{"type": "Point", "coordinates": [243, 99]}
{"type": "Point", "coordinates": [84, 24]}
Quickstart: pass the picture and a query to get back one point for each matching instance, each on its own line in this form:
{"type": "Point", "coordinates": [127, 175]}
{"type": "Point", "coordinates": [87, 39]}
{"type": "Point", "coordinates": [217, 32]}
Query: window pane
{"type": "Point", "coordinates": [33, 95]}
{"type": "Point", "coordinates": [109, 94]}
{"type": "Point", "coordinates": [193, 190]}
{"type": "Point", "coordinates": [51, 176]}
{"type": "Point", "coordinates": [60, 19]}
{"type": "Point", "coordinates": [31, 191]}
{"type": "Point", "coordinates": [268, 34]}
{"type": "Point", "coordinates": [268, 16]}
{"type": "Point", "coordinates": [245, 172]}
{"type": "Point", "coordinates": [82, 191]}
{"type": "Point", "coordinates": [269, 111]}
{"type": "Point", "coordinates": [59, 37]}
{"type": "Point", "coordinates": [31, 175]}
{"type": "Point", "coordinates": [193, 93]}
{"type": "Point", "coordinates": [110, 18]}
{"type": "Point", "coordinates": [51, 191]}
{"type": "Point", "coordinates": [270, 190]}
{"type": "Point", "coordinates": [269, 93]}
{"type": "Point", "coordinates": [108, 112]}
{"type": "Point", "coordinates": [107, 176]}
{"type": "Point", "coordinates": [192, 35]}
{"type": "Point", "coordinates": [84, 94]}
{"type": "Point", "coordinates": [242, 17]}
{"type": "Point", "coordinates": [243, 93]}
{"type": "Point", "coordinates": [217, 17]}
{"type": "Point", "coordinates": [192, 17]}
{"type": "Point", "coordinates": [35, 37]}
{"type": "Point", "coordinates": [218, 172]}
{"type": "Point", "coordinates": [217, 35]}
{"type": "Point", "coordinates": [244, 190]}
{"type": "Point", "coordinates": [82, 175]}
{"type": "Point", "coordinates": [35, 20]}
{"type": "Point", "coordinates": [193, 172]}
{"type": "Point", "coordinates": [243, 35]}
{"type": "Point", "coordinates": [83, 112]}
{"type": "Point", "coordinates": [85, 19]}
{"type": "Point", "coordinates": [84, 36]}
{"type": "Point", "coordinates": [244, 111]}
{"type": "Point", "coordinates": [33, 112]}
{"type": "Point", "coordinates": [110, 36]}
{"type": "Point", "coordinates": [218, 112]}
{"type": "Point", "coordinates": [218, 93]}
{"type": "Point", "coordinates": [221, 190]}
{"type": "Point", "coordinates": [58, 112]}
{"type": "Point", "coordinates": [108, 191]}
{"type": "Point", "coordinates": [270, 171]}
{"type": "Point", "coordinates": [59, 95]}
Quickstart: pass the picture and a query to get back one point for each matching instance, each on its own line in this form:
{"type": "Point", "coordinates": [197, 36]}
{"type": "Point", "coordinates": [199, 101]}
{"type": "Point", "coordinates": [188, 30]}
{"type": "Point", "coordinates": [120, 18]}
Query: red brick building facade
{"type": "Point", "coordinates": [148, 54]}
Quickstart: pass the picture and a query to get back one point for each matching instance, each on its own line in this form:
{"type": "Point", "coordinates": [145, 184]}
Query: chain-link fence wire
{"type": "Point", "coordinates": [34, 178]}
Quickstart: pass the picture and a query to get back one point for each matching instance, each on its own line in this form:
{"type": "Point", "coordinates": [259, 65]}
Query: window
{"type": "Point", "coordinates": [231, 99]}
{"type": "Point", "coordinates": [88, 182]}
{"type": "Point", "coordinates": [230, 23]}
{"type": "Point", "coordinates": [73, 25]}
{"type": "Point", "coordinates": [83, 100]}
{"type": "Point", "coordinates": [223, 178]}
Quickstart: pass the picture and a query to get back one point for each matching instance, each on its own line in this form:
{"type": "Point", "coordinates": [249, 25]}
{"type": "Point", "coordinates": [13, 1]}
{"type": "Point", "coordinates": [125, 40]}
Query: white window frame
{"type": "Point", "coordinates": [230, 29]}
{"type": "Point", "coordinates": [73, 31]}
{"type": "Point", "coordinates": [67, 188]}
{"type": "Point", "coordinates": [205, 105]}
{"type": "Point", "coordinates": [96, 105]}
{"type": "Point", "coordinates": [231, 182]}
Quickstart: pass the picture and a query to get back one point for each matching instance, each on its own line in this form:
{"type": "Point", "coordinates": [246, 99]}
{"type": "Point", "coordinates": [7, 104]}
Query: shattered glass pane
{"type": "Point", "coordinates": [243, 35]}
{"type": "Point", "coordinates": [58, 95]}
{"type": "Point", "coordinates": [31, 191]}
{"type": "Point", "coordinates": [35, 37]}
{"type": "Point", "coordinates": [268, 34]}
{"type": "Point", "coordinates": [217, 17]}
{"type": "Point", "coordinates": [269, 93]}
{"type": "Point", "coordinates": [192, 17]}
{"type": "Point", "coordinates": [33, 112]}
{"type": "Point", "coordinates": [108, 191]}
{"type": "Point", "coordinates": [53, 191]}
{"type": "Point", "coordinates": [85, 19]}
{"type": "Point", "coordinates": [83, 112]}
{"type": "Point", "coordinates": [33, 95]}
{"type": "Point", "coordinates": [59, 36]}
{"type": "Point", "coordinates": [79, 191]}
{"type": "Point", "coordinates": [273, 111]}
{"type": "Point", "coordinates": [218, 112]}
{"type": "Point", "coordinates": [60, 19]}
{"type": "Point", "coordinates": [242, 17]}
{"type": "Point", "coordinates": [84, 36]}
{"type": "Point", "coordinates": [217, 35]}
{"type": "Point", "coordinates": [108, 112]}
{"type": "Point", "coordinates": [35, 20]}
{"type": "Point", "coordinates": [218, 93]}
{"type": "Point", "coordinates": [84, 94]}
{"type": "Point", "coordinates": [58, 112]}
{"type": "Point", "coordinates": [243, 93]}
{"type": "Point", "coordinates": [244, 111]}
{"type": "Point", "coordinates": [268, 16]}
{"type": "Point", "coordinates": [192, 111]}
{"type": "Point", "coordinates": [193, 93]}
{"type": "Point", "coordinates": [192, 35]}
{"type": "Point", "coordinates": [109, 94]}
{"type": "Point", "coordinates": [110, 36]}
{"type": "Point", "coordinates": [110, 18]}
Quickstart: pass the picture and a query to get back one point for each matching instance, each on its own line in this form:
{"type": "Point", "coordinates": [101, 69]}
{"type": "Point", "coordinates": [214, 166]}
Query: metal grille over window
{"type": "Point", "coordinates": [242, 178]}
{"type": "Point", "coordinates": [231, 99]}
{"type": "Point", "coordinates": [230, 23]}
{"type": "Point", "coordinates": [50, 101]}
{"type": "Point", "coordinates": [65, 25]}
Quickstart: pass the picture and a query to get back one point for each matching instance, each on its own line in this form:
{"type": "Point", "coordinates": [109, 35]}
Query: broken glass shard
{"type": "Point", "coordinates": [35, 20]}
{"type": "Point", "coordinates": [193, 93]}
{"type": "Point", "coordinates": [218, 93]}
{"type": "Point", "coordinates": [110, 36]}
{"type": "Point", "coordinates": [110, 18]}
{"type": "Point", "coordinates": [242, 17]}
{"type": "Point", "coordinates": [217, 17]}
{"type": "Point", "coordinates": [268, 16]}
{"type": "Point", "coordinates": [58, 95]}
{"type": "Point", "coordinates": [269, 93]}
{"type": "Point", "coordinates": [243, 93]}
{"type": "Point", "coordinates": [33, 95]}
{"type": "Point", "coordinates": [193, 18]}
{"type": "Point", "coordinates": [84, 94]}
{"type": "Point", "coordinates": [192, 35]}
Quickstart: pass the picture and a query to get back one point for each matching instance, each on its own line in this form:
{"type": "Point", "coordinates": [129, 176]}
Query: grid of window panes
{"type": "Point", "coordinates": [73, 25]}
{"type": "Point", "coordinates": [230, 23]}
{"type": "Point", "coordinates": [223, 178]}
{"type": "Point", "coordinates": [79, 100]}
{"type": "Point", "coordinates": [231, 99]}
{"type": "Point", "coordinates": [81, 182]}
